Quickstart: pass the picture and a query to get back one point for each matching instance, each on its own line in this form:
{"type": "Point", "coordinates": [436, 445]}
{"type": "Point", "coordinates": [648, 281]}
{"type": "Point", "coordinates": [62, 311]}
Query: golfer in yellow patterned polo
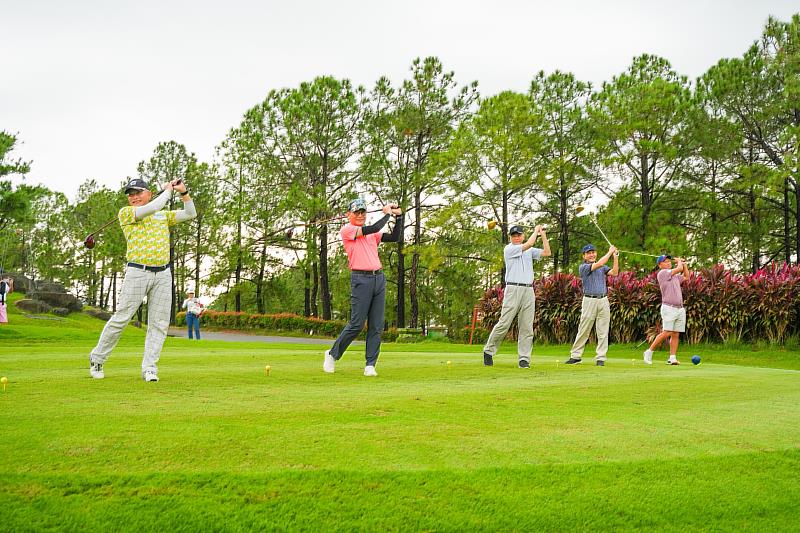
{"type": "Point", "coordinates": [148, 274]}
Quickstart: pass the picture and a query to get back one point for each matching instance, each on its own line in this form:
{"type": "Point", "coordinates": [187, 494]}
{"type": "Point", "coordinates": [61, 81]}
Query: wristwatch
{"type": "Point", "coordinates": [184, 193]}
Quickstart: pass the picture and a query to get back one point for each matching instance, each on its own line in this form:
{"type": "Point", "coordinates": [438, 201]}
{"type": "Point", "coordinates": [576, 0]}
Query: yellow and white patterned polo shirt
{"type": "Point", "coordinates": [148, 239]}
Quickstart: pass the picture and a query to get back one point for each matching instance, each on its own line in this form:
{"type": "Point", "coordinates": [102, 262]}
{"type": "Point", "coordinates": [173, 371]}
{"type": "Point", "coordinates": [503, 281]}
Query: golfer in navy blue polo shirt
{"type": "Point", "coordinates": [594, 309]}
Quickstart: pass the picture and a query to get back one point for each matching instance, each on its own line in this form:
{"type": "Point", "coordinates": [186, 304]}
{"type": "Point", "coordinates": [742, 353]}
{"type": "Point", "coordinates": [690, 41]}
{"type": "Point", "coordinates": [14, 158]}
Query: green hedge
{"type": "Point", "coordinates": [281, 322]}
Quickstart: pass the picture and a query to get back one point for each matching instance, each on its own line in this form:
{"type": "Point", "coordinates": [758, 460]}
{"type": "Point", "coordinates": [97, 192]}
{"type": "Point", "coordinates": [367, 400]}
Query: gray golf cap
{"type": "Point", "coordinates": [516, 228]}
{"type": "Point", "coordinates": [357, 205]}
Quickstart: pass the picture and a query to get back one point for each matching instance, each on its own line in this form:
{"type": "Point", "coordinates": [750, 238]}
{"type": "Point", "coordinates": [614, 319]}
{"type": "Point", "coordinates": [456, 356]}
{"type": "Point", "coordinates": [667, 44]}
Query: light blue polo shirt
{"type": "Point", "coordinates": [519, 264]}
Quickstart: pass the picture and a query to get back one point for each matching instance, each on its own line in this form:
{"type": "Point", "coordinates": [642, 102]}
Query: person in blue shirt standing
{"type": "Point", "coordinates": [518, 298]}
{"type": "Point", "coordinates": [595, 310]}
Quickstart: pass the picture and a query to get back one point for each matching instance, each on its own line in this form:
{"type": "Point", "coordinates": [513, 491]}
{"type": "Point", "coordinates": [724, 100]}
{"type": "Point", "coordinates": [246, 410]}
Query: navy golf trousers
{"type": "Point", "coordinates": [367, 302]}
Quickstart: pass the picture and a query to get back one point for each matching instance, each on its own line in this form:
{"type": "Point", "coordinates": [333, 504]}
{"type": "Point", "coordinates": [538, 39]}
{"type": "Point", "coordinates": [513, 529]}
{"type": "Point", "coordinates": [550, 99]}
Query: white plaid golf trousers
{"type": "Point", "coordinates": [157, 286]}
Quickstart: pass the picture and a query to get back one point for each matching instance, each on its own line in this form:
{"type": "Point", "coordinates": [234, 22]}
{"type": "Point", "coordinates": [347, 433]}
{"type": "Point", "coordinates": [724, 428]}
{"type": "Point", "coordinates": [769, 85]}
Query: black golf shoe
{"type": "Point", "coordinates": [573, 361]}
{"type": "Point", "coordinates": [524, 364]}
{"type": "Point", "coordinates": [487, 359]}
{"type": "Point", "coordinates": [600, 363]}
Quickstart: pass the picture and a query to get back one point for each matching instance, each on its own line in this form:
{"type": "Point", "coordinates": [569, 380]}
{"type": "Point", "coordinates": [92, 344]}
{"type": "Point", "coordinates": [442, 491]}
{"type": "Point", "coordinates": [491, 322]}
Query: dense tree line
{"type": "Point", "coordinates": [706, 169]}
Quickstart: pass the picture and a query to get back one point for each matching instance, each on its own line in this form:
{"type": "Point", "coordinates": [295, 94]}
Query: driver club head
{"type": "Point", "coordinates": [89, 241]}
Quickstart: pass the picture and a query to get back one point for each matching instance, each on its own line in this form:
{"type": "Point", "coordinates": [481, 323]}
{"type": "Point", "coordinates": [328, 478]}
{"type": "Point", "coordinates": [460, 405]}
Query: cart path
{"type": "Point", "coordinates": [231, 336]}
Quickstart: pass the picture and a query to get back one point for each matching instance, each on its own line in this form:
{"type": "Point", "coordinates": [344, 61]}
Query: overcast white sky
{"type": "Point", "coordinates": [91, 86]}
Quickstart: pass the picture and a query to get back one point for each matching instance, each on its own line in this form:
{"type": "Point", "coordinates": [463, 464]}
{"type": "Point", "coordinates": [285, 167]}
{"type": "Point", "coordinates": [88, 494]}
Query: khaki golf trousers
{"type": "Point", "coordinates": [516, 301]}
{"type": "Point", "coordinates": [597, 312]}
{"type": "Point", "coordinates": [138, 283]}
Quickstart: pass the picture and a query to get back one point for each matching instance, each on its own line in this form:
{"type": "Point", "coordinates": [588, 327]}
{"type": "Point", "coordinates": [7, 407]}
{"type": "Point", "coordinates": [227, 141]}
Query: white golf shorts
{"type": "Point", "coordinates": [673, 318]}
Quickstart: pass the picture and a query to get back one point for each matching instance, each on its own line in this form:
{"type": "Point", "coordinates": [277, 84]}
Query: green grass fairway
{"type": "Point", "coordinates": [219, 445]}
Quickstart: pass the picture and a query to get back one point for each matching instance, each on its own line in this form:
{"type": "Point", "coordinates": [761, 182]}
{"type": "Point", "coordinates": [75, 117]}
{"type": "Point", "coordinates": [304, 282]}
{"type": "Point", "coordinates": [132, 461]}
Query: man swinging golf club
{"type": "Point", "coordinates": [146, 229]}
{"type": "Point", "coordinates": [367, 281]}
{"type": "Point", "coordinates": [519, 299]}
{"type": "Point", "coordinates": [595, 310]}
{"type": "Point", "coordinates": [673, 314]}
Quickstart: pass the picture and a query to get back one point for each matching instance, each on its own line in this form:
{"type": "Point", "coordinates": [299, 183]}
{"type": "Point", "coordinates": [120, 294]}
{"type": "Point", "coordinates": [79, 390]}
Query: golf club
{"type": "Point", "coordinates": [582, 211]}
{"type": "Point", "coordinates": [289, 230]}
{"type": "Point", "coordinates": [637, 253]}
{"type": "Point", "coordinates": [492, 224]}
{"type": "Point", "coordinates": [89, 241]}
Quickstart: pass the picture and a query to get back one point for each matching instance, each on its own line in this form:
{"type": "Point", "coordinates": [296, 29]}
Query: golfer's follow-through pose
{"type": "Point", "coordinates": [673, 314]}
{"type": "Point", "coordinates": [519, 298]}
{"type": "Point", "coordinates": [595, 310]}
{"type": "Point", "coordinates": [146, 229]}
{"type": "Point", "coordinates": [367, 282]}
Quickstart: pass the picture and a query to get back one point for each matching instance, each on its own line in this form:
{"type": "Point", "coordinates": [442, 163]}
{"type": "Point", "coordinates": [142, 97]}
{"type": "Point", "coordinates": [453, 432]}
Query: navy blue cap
{"type": "Point", "coordinates": [136, 184]}
{"type": "Point", "coordinates": [516, 228]}
{"type": "Point", "coordinates": [588, 248]}
{"type": "Point", "coordinates": [661, 258]}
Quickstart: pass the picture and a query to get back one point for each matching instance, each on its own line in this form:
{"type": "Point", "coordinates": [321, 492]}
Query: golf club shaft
{"type": "Point", "coordinates": [637, 253]}
{"type": "Point", "coordinates": [600, 230]}
{"type": "Point", "coordinates": [331, 219]}
{"type": "Point", "coordinates": [107, 224]}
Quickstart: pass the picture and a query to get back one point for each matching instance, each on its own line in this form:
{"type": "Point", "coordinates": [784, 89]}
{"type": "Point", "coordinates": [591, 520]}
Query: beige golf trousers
{"type": "Point", "coordinates": [597, 312]}
{"type": "Point", "coordinates": [516, 301]}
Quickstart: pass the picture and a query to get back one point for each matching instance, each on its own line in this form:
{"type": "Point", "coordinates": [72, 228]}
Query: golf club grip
{"type": "Point", "coordinates": [178, 182]}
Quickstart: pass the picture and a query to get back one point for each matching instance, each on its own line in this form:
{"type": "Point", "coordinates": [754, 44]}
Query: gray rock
{"type": "Point", "coordinates": [60, 311]}
{"type": "Point", "coordinates": [33, 306]}
{"type": "Point", "coordinates": [58, 299]}
{"type": "Point", "coordinates": [49, 286]}
{"type": "Point", "coordinates": [98, 313]}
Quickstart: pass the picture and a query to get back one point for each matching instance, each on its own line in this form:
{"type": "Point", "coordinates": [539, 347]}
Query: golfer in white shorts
{"type": "Point", "coordinates": [673, 314]}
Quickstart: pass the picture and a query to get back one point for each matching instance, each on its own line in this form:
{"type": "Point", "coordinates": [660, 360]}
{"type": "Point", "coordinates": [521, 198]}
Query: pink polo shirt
{"type": "Point", "coordinates": [362, 252]}
{"type": "Point", "coordinates": [670, 285]}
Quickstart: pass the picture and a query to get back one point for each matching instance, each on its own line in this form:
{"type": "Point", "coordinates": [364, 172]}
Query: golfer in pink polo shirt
{"type": "Point", "coordinates": [367, 282]}
{"type": "Point", "coordinates": [673, 314]}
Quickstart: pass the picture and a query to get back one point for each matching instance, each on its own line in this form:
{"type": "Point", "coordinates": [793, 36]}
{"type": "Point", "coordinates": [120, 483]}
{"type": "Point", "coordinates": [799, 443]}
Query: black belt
{"type": "Point", "coordinates": [148, 268]}
{"type": "Point", "coordinates": [519, 284]}
{"type": "Point", "coordinates": [594, 295]}
{"type": "Point", "coordinates": [367, 272]}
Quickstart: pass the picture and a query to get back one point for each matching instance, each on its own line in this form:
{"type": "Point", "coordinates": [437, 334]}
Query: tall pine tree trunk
{"type": "Point", "coordinates": [401, 283]}
{"type": "Point", "coordinates": [646, 196]}
{"type": "Point", "coordinates": [563, 222]}
{"type": "Point", "coordinates": [260, 281]}
{"type": "Point", "coordinates": [414, 277]}
{"type": "Point", "coordinates": [314, 289]}
{"type": "Point", "coordinates": [323, 272]}
{"type": "Point", "coordinates": [197, 256]}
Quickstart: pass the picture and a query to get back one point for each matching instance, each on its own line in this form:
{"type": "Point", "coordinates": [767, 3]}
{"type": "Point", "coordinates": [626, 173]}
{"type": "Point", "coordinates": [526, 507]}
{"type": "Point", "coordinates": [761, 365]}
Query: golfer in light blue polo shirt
{"type": "Point", "coordinates": [518, 298]}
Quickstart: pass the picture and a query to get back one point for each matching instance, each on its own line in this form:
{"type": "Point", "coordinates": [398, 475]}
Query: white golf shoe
{"type": "Point", "coordinates": [150, 375]}
{"type": "Point", "coordinates": [648, 356]}
{"type": "Point", "coordinates": [329, 365]}
{"type": "Point", "coordinates": [96, 370]}
{"type": "Point", "coordinates": [369, 371]}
